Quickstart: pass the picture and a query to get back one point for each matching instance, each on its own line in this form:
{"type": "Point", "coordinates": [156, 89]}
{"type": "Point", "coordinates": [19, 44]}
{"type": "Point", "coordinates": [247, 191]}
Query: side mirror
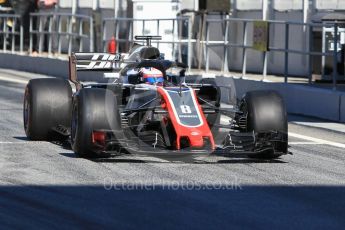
{"type": "Point", "coordinates": [177, 78]}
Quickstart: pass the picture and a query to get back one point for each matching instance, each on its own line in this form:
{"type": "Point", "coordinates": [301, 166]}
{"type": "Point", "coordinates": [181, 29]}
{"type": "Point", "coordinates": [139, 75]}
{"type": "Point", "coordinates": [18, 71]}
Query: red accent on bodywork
{"type": "Point", "coordinates": [98, 137]}
{"type": "Point", "coordinates": [195, 135]}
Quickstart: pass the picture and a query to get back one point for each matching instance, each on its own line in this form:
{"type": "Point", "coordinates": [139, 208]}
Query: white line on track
{"type": "Point", "coordinates": [310, 140]}
{"type": "Point", "coordinates": [317, 140]}
{"type": "Point", "coordinates": [9, 142]}
{"type": "Point", "coordinates": [13, 80]}
{"type": "Point", "coordinates": [304, 143]}
{"type": "Point", "coordinates": [21, 142]}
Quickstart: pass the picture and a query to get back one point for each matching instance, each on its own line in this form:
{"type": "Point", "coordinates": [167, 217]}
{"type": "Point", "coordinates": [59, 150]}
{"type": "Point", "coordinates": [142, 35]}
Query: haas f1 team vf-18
{"type": "Point", "coordinates": [147, 106]}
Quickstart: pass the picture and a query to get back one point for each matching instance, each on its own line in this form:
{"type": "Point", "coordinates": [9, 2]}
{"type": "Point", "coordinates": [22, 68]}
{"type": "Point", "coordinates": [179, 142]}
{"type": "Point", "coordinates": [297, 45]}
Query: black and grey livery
{"type": "Point", "coordinates": [124, 115]}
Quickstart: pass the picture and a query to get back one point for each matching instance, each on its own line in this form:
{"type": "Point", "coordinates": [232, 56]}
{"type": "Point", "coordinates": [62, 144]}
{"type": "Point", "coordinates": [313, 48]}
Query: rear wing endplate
{"type": "Point", "coordinates": [91, 62]}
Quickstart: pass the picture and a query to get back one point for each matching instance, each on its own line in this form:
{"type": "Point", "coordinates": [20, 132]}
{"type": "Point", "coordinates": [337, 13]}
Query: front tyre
{"type": "Point", "coordinates": [93, 109]}
{"type": "Point", "coordinates": [266, 112]}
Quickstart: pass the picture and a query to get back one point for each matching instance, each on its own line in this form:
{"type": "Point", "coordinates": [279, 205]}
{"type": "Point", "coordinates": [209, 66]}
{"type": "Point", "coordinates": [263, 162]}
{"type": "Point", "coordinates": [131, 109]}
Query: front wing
{"type": "Point", "coordinates": [233, 144]}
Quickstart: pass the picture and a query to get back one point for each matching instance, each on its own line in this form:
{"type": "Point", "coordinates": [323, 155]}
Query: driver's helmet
{"type": "Point", "coordinates": [151, 76]}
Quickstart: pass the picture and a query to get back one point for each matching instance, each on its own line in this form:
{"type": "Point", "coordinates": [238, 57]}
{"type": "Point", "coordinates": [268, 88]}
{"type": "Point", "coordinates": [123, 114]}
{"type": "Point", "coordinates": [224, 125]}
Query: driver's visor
{"type": "Point", "coordinates": [154, 79]}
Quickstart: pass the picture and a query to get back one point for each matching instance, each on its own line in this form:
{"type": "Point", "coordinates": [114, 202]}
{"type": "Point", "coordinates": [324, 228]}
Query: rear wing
{"type": "Point", "coordinates": [148, 39]}
{"type": "Point", "coordinates": [91, 62]}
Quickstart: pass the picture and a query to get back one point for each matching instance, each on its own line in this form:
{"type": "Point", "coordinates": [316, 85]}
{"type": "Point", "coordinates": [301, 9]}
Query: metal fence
{"type": "Point", "coordinates": [11, 33]}
{"type": "Point", "coordinates": [244, 44]}
{"type": "Point", "coordinates": [228, 33]}
{"type": "Point", "coordinates": [48, 31]}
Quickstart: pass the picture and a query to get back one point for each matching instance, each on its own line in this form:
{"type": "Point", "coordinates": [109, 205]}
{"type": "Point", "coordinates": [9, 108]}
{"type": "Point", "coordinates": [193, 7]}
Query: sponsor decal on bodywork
{"type": "Point", "coordinates": [96, 61]}
{"type": "Point", "coordinates": [185, 106]}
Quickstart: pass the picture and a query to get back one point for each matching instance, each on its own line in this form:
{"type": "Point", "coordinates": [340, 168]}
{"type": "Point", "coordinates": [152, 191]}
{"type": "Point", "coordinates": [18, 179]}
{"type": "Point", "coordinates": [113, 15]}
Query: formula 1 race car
{"type": "Point", "coordinates": [146, 106]}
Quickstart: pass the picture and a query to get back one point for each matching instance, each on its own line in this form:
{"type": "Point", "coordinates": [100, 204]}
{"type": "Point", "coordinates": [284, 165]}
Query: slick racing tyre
{"type": "Point", "coordinates": [47, 105]}
{"type": "Point", "coordinates": [93, 109]}
{"type": "Point", "coordinates": [266, 112]}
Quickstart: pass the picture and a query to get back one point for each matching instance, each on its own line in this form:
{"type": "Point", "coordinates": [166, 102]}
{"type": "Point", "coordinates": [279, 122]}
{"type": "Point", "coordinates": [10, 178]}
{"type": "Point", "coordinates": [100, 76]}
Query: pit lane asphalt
{"type": "Point", "coordinates": [43, 184]}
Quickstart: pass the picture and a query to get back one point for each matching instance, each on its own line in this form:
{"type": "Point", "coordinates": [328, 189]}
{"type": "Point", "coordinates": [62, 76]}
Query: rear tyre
{"type": "Point", "coordinates": [47, 104]}
{"type": "Point", "coordinates": [93, 109]}
{"type": "Point", "coordinates": [266, 112]}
